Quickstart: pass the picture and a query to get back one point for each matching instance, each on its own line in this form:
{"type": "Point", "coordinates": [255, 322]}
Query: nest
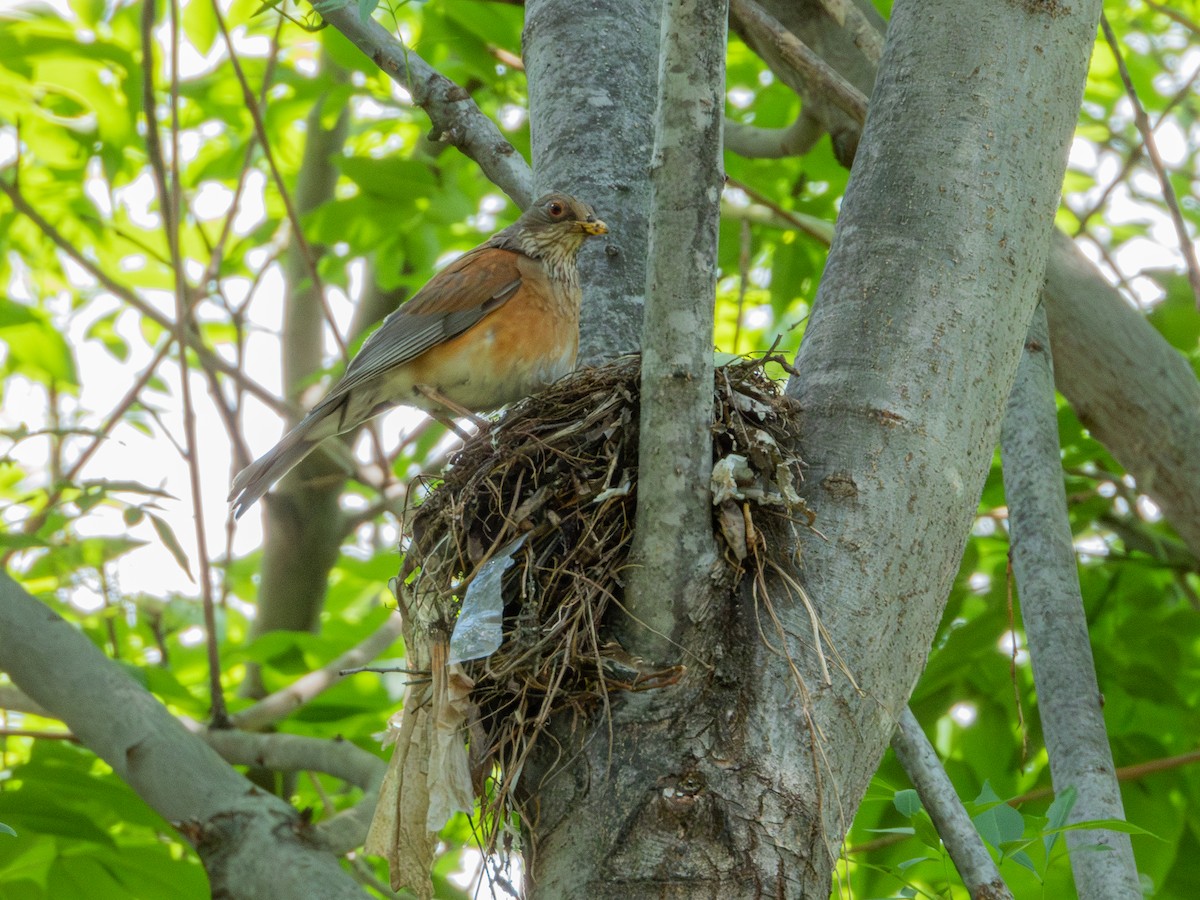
{"type": "Point", "coordinates": [524, 544]}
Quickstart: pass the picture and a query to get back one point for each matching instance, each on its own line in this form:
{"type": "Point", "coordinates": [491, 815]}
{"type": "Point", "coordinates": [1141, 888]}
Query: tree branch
{"type": "Point", "coordinates": [1043, 556]}
{"type": "Point", "coordinates": [1142, 121]}
{"type": "Point", "coordinates": [207, 357]}
{"type": "Point", "coordinates": [1121, 376]}
{"type": "Point", "coordinates": [252, 843]}
{"type": "Point", "coordinates": [674, 505]}
{"type": "Point", "coordinates": [979, 873]}
{"type": "Point", "coordinates": [280, 704]}
{"type": "Point", "coordinates": [455, 117]}
{"type": "Point", "coordinates": [806, 71]}
{"type": "Point", "coordinates": [1134, 392]}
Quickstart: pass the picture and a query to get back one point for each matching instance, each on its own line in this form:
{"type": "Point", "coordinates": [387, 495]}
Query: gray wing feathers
{"type": "Point", "coordinates": [404, 336]}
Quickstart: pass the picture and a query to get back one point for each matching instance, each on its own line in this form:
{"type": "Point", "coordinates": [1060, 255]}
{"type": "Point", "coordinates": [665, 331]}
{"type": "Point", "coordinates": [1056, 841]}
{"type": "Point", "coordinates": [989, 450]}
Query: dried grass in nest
{"type": "Point", "coordinates": [561, 470]}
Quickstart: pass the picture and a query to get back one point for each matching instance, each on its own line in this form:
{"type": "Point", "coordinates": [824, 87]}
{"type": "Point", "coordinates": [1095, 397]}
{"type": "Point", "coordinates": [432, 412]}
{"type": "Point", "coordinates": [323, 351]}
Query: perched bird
{"type": "Point", "coordinates": [494, 326]}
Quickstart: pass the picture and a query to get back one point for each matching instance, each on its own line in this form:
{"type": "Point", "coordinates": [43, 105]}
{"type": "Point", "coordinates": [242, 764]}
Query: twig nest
{"type": "Point", "coordinates": [515, 561]}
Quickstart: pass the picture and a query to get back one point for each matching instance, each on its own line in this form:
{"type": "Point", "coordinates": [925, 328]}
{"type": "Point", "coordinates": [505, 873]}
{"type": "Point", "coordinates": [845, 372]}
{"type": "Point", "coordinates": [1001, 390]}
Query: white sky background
{"type": "Point", "coordinates": [153, 460]}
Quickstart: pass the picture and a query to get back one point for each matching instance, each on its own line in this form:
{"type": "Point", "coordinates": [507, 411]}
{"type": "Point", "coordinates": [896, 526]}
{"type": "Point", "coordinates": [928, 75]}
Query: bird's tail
{"type": "Point", "coordinates": [256, 479]}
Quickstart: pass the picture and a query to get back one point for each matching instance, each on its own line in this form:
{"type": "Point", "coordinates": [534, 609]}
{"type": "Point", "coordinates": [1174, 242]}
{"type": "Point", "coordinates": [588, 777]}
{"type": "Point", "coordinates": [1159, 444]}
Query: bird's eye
{"type": "Point", "coordinates": [555, 209]}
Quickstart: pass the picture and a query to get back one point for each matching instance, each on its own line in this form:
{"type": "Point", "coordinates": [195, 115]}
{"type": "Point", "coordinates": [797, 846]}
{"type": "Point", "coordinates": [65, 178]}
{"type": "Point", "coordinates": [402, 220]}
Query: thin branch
{"type": "Point", "coordinates": [280, 704]}
{"type": "Point", "coordinates": [169, 201]}
{"type": "Point", "coordinates": [455, 116]}
{"type": "Point", "coordinates": [1143, 126]}
{"type": "Point", "coordinates": [1135, 157]}
{"type": "Point", "coordinates": [38, 519]}
{"type": "Point", "coordinates": [815, 228]}
{"type": "Point", "coordinates": [818, 76]}
{"type": "Point", "coordinates": [1043, 559]}
{"type": "Point", "coordinates": [954, 825]}
{"type": "Point", "coordinates": [1175, 15]}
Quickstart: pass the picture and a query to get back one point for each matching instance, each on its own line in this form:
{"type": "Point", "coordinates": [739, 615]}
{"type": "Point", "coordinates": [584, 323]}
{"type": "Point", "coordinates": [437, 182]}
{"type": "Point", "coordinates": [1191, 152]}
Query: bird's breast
{"type": "Point", "coordinates": [526, 344]}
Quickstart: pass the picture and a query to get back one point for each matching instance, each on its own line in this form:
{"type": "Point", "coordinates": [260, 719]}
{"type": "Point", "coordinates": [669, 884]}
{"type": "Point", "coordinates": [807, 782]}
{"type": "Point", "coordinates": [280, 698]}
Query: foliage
{"type": "Point", "coordinates": [84, 483]}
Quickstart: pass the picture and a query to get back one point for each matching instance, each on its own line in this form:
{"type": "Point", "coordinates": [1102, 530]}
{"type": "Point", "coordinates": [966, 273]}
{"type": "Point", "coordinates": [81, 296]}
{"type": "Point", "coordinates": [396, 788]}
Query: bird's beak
{"type": "Point", "coordinates": [594, 226]}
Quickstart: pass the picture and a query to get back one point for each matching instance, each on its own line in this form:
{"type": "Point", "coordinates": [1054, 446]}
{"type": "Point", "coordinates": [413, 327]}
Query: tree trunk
{"type": "Point", "coordinates": [591, 110]}
{"type": "Point", "coordinates": [742, 780]}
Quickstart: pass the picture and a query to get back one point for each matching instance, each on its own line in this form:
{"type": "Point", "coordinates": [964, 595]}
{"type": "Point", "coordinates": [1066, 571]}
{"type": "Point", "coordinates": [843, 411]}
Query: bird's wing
{"type": "Point", "coordinates": [452, 301]}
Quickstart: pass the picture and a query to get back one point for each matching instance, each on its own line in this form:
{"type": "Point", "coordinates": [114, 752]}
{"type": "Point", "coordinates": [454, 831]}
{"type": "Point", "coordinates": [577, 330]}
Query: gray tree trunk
{"type": "Point", "coordinates": [741, 782]}
{"type": "Point", "coordinates": [592, 71]}
{"type": "Point", "coordinates": [913, 346]}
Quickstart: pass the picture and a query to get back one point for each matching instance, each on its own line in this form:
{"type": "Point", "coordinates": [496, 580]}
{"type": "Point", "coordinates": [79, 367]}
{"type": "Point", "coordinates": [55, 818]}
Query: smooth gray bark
{"type": "Point", "coordinates": [592, 70]}
{"type": "Point", "coordinates": [1043, 557]}
{"type": "Point", "coordinates": [253, 844]}
{"type": "Point", "coordinates": [908, 359]}
{"type": "Point", "coordinates": [674, 511]}
{"type": "Point", "coordinates": [920, 761]}
{"type": "Point", "coordinates": [1136, 394]}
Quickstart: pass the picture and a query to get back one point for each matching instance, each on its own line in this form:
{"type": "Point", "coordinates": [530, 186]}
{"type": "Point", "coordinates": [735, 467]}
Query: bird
{"type": "Point", "coordinates": [495, 325]}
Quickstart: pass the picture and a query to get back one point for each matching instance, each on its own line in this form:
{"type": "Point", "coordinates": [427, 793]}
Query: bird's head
{"type": "Point", "coordinates": [553, 228]}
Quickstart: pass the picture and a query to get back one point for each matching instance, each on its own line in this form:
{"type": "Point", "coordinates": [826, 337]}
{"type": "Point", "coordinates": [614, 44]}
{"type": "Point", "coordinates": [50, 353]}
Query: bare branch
{"type": "Point", "coordinates": [808, 71]}
{"type": "Point", "coordinates": [754, 142]}
{"type": "Point", "coordinates": [207, 357]}
{"type": "Point", "coordinates": [296, 753]}
{"type": "Point", "coordinates": [979, 873]}
{"type": "Point", "coordinates": [169, 202]}
{"type": "Point", "coordinates": [455, 117]}
{"type": "Point", "coordinates": [1064, 672]}
{"type": "Point", "coordinates": [278, 705]}
{"type": "Point", "coordinates": [1164, 179]}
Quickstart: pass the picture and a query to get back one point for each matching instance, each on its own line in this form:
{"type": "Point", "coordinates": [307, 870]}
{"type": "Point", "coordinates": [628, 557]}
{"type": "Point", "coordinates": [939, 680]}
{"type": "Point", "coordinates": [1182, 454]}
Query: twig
{"type": "Point", "coordinates": [1142, 121]}
{"type": "Point", "coordinates": [954, 825]}
{"type": "Point", "coordinates": [169, 200]}
{"type": "Point", "coordinates": [260, 129]}
{"type": "Point", "coordinates": [1175, 16]}
{"type": "Point", "coordinates": [276, 706]}
{"type": "Point", "coordinates": [207, 357]}
{"type": "Point", "coordinates": [808, 225]}
{"type": "Point", "coordinates": [1136, 155]}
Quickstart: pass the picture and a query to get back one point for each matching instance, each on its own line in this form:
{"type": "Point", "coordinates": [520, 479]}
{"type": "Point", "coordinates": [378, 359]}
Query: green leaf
{"type": "Point", "coordinates": [35, 348]}
{"type": "Point", "coordinates": [167, 536]}
{"type": "Point", "coordinates": [1000, 824]}
{"type": "Point", "coordinates": [1056, 816]}
{"type": "Point", "coordinates": [1104, 825]}
{"type": "Point", "coordinates": [907, 802]}
{"type": "Point", "coordinates": [365, 8]}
